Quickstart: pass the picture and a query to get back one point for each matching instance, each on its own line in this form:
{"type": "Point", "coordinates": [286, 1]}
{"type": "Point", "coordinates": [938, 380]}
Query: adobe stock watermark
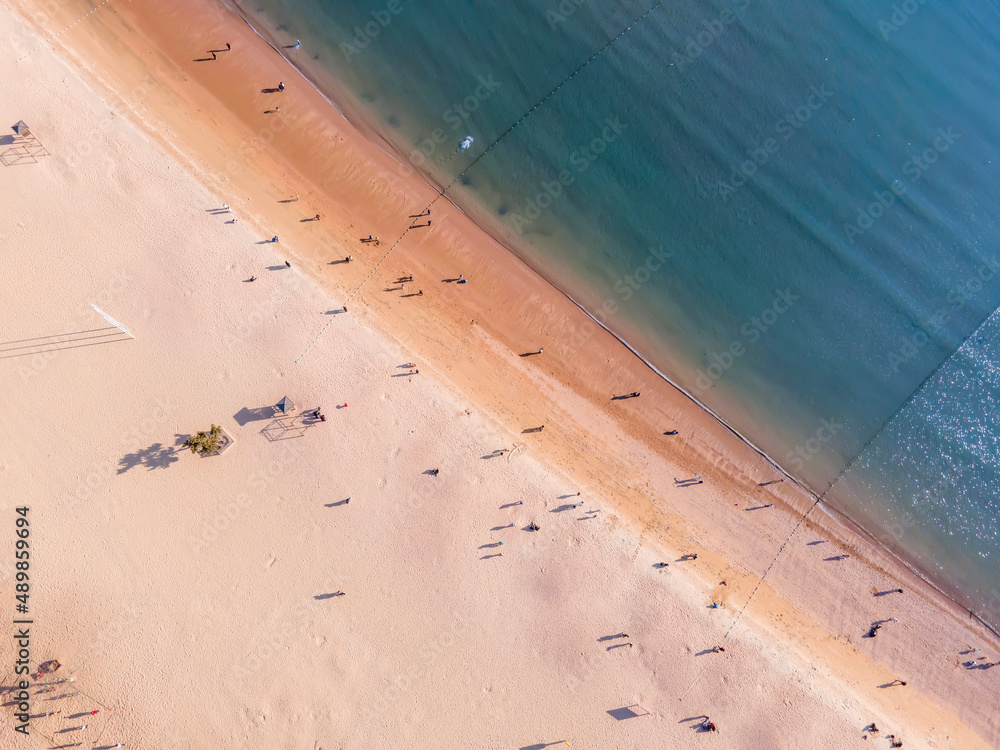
{"type": "Point", "coordinates": [901, 14]}
{"type": "Point", "coordinates": [921, 507]}
{"type": "Point", "coordinates": [455, 116]}
{"type": "Point", "coordinates": [784, 130]}
{"type": "Point", "coordinates": [805, 452]}
{"type": "Point", "coordinates": [424, 662]}
{"type": "Point", "coordinates": [958, 296]}
{"type": "Point", "coordinates": [915, 167]}
{"type": "Point", "coordinates": [229, 510]}
{"type": "Point", "coordinates": [563, 10]}
{"type": "Point", "coordinates": [266, 310]}
{"type": "Point", "coordinates": [33, 365]}
{"type": "Point", "coordinates": [751, 332]}
{"type": "Point", "coordinates": [99, 472]}
{"type": "Point", "coordinates": [69, 162]}
{"type": "Point", "coordinates": [581, 160]}
{"type": "Point", "coordinates": [250, 148]}
{"type": "Point", "coordinates": [695, 46]}
{"type": "Point", "coordinates": [365, 35]}
{"type": "Point", "coordinates": [628, 284]}
{"type": "Point", "coordinates": [625, 287]}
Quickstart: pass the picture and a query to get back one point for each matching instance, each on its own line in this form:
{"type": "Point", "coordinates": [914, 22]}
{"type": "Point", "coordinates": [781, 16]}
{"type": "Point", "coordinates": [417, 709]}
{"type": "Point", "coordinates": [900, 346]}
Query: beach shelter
{"type": "Point", "coordinates": [21, 128]}
{"type": "Point", "coordinates": [285, 406]}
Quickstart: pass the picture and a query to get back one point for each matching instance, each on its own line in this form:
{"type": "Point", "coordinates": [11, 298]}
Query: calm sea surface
{"type": "Point", "coordinates": [789, 208]}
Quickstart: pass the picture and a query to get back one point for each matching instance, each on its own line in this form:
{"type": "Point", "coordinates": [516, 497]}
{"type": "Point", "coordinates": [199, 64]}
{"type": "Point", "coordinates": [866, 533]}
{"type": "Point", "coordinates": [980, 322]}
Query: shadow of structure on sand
{"type": "Point", "coordinates": [244, 416]}
{"type": "Point", "coordinates": [60, 341]}
{"type": "Point", "coordinates": [156, 456]}
{"type": "Point", "coordinates": [628, 712]}
{"type": "Point", "coordinates": [285, 428]}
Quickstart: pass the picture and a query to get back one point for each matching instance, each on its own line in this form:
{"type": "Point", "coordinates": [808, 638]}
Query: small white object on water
{"type": "Point", "coordinates": [464, 145]}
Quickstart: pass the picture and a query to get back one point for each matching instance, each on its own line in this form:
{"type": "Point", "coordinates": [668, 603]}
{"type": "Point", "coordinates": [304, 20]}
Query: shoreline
{"type": "Point", "coordinates": [378, 141]}
{"type": "Point", "coordinates": [728, 464]}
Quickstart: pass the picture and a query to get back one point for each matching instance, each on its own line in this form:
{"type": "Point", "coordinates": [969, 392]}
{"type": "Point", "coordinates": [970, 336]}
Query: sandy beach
{"type": "Point", "coordinates": [194, 600]}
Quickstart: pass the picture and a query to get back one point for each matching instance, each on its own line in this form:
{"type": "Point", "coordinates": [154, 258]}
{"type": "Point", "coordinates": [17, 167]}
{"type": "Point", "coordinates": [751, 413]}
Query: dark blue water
{"type": "Point", "coordinates": [789, 208]}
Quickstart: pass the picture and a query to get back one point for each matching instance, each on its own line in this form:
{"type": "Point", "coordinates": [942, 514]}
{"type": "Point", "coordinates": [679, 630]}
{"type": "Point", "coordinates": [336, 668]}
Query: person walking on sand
{"type": "Point", "coordinates": [317, 218]}
{"type": "Point", "coordinates": [287, 264]}
{"type": "Point", "coordinates": [274, 239]}
{"type": "Point", "coordinates": [349, 258]}
{"type": "Point", "coordinates": [298, 43]}
{"type": "Point", "coordinates": [229, 47]}
{"type": "Point", "coordinates": [281, 86]}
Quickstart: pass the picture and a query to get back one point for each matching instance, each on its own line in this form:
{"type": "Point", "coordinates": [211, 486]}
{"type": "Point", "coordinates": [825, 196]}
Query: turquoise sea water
{"type": "Point", "coordinates": [789, 208]}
